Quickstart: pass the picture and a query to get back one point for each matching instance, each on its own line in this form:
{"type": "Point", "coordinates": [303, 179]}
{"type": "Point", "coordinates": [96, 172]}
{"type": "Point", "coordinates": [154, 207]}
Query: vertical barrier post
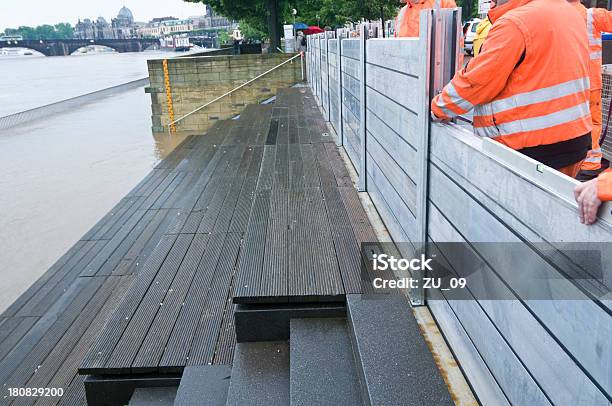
{"type": "Point", "coordinates": [363, 37]}
{"type": "Point", "coordinates": [427, 41]}
{"type": "Point", "coordinates": [328, 36]}
{"type": "Point", "coordinates": [439, 34]}
{"type": "Point", "coordinates": [319, 75]}
{"type": "Point", "coordinates": [339, 37]}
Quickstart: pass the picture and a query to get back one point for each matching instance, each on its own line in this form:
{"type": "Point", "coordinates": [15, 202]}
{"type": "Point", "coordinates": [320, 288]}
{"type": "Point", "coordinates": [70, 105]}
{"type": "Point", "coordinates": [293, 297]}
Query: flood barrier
{"type": "Point", "coordinates": [439, 183]}
{"type": "Point", "coordinates": [62, 106]}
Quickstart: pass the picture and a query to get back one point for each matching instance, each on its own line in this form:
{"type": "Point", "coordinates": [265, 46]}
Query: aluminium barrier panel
{"type": "Point", "coordinates": [512, 347]}
{"type": "Point", "coordinates": [395, 85]}
{"type": "Point", "coordinates": [519, 219]}
{"type": "Point", "coordinates": [334, 83]}
{"type": "Point", "coordinates": [351, 105]}
{"type": "Point", "coordinates": [325, 74]}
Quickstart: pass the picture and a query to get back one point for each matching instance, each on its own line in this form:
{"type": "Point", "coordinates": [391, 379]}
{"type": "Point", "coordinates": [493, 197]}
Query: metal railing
{"type": "Point", "coordinates": [300, 55]}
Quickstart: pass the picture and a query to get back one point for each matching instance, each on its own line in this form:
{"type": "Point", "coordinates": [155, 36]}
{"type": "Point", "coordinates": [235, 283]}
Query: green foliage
{"type": "Point", "coordinates": [46, 31]}
{"type": "Point", "coordinates": [332, 13]}
{"type": "Point", "coordinates": [251, 33]}
{"type": "Point", "coordinates": [224, 37]}
{"type": "Point", "coordinates": [469, 8]}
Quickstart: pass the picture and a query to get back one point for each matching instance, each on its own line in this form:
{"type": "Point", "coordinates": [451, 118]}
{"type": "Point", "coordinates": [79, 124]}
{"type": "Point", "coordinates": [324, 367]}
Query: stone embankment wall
{"type": "Point", "coordinates": [197, 80]}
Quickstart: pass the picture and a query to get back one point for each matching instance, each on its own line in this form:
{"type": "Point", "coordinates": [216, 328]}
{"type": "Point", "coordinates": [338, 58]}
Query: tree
{"type": "Point", "coordinates": [469, 8]}
{"type": "Point", "coordinates": [46, 31]}
{"type": "Point", "coordinates": [263, 15]}
{"type": "Point", "coordinates": [251, 33]}
{"type": "Point", "coordinates": [64, 31]}
{"type": "Point", "coordinates": [266, 15]}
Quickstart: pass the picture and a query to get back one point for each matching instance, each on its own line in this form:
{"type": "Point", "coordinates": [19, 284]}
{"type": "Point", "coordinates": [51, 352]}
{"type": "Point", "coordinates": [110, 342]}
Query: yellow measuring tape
{"type": "Point", "coordinates": [169, 95]}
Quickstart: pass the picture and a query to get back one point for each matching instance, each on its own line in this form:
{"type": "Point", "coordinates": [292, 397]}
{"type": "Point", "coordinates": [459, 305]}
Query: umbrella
{"type": "Point", "coordinates": [300, 26]}
{"type": "Point", "coordinates": [313, 29]}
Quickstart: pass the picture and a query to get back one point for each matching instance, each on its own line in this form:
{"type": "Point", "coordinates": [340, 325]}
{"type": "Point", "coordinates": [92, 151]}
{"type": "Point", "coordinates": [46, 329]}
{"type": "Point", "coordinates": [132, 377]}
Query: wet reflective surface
{"type": "Point", "coordinates": [61, 174]}
{"type": "Point", "coordinates": [27, 82]}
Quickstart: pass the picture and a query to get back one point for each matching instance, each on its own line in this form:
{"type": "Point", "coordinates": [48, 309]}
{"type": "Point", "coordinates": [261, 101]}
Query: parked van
{"type": "Point", "coordinates": [469, 32]}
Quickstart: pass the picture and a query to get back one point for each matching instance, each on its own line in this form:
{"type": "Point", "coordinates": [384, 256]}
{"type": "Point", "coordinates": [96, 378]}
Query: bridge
{"type": "Point", "coordinates": [64, 47]}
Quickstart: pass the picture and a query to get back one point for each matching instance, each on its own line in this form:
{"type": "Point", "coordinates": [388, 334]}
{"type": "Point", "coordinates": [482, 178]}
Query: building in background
{"type": "Point", "coordinates": [88, 29]}
{"type": "Point", "coordinates": [121, 27]}
{"type": "Point", "coordinates": [165, 27]}
{"type": "Point", "coordinates": [124, 26]}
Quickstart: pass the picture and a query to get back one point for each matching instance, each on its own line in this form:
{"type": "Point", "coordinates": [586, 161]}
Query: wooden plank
{"type": "Point", "coordinates": [104, 345]}
{"type": "Point", "coordinates": [67, 372]}
{"type": "Point", "coordinates": [176, 352]}
{"type": "Point", "coordinates": [12, 336]}
{"type": "Point", "coordinates": [153, 345]}
{"type": "Point", "coordinates": [55, 359]}
{"type": "Point", "coordinates": [134, 334]}
{"type": "Point", "coordinates": [207, 333]}
{"type": "Point", "coordinates": [252, 253]}
{"type": "Point", "coordinates": [56, 285]}
{"type": "Point", "coordinates": [21, 363]}
{"type": "Point", "coordinates": [273, 281]}
{"type": "Point", "coordinates": [42, 281]}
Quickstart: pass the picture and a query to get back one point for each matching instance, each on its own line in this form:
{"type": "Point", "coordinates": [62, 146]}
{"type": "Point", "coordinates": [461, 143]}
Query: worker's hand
{"type": "Point", "coordinates": [588, 202]}
{"type": "Point", "coordinates": [436, 119]}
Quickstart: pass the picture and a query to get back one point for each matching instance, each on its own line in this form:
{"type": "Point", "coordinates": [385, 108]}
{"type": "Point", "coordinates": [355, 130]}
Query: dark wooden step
{"type": "Point", "coordinates": [205, 385]}
{"type": "Point", "coordinates": [323, 370]}
{"type": "Point", "coordinates": [394, 362]}
{"type": "Point", "coordinates": [260, 374]}
{"type": "Point", "coordinates": [271, 322]}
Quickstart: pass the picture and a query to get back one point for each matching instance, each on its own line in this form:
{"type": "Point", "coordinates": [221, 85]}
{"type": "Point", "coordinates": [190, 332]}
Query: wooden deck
{"type": "Point", "coordinates": [237, 214]}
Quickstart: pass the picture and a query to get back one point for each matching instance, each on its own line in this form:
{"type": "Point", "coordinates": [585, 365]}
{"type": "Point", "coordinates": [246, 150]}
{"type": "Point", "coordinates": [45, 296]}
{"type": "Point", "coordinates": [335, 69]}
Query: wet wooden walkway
{"type": "Point", "coordinates": [260, 210]}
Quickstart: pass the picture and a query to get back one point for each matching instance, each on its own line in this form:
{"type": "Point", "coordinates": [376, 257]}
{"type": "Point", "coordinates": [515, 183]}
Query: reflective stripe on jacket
{"type": "Point", "coordinates": [597, 20]}
{"type": "Point", "coordinates": [407, 23]}
{"type": "Point", "coordinates": [604, 186]}
{"type": "Point", "coordinates": [529, 86]}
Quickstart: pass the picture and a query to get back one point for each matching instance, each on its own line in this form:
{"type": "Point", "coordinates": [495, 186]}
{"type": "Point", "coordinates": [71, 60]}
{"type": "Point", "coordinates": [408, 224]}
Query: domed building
{"type": "Point", "coordinates": [123, 25]}
{"type": "Point", "coordinates": [126, 15]}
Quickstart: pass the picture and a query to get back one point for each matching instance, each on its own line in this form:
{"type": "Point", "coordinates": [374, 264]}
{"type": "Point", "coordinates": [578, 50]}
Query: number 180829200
{"type": "Point", "coordinates": [35, 392]}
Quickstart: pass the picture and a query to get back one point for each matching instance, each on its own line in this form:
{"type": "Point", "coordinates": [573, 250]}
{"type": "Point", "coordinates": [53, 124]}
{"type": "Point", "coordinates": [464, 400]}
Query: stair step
{"type": "Point", "coordinates": [270, 322]}
{"type": "Point", "coordinates": [205, 385]}
{"type": "Point", "coordinates": [323, 368]}
{"type": "Point", "coordinates": [394, 362]}
{"type": "Point", "coordinates": [260, 374]}
{"type": "Point", "coordinates": [161, 396]}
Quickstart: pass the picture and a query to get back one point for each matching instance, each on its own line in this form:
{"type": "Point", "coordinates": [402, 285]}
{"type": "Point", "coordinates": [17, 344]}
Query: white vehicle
{"type": "Point", "coordinates": [469, 32]}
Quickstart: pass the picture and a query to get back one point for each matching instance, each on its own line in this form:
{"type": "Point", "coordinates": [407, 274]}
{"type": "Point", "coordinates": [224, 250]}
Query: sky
{"type": "Point", "coordinates": [14, 13]}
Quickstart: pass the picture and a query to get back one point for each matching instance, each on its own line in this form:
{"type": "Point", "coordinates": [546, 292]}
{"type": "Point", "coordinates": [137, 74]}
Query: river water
{"type": "Point", "coordinates": [59, 175]}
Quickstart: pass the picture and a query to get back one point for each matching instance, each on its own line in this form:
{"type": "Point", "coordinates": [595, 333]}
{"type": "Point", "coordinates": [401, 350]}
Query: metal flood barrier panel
{"type": "Point", "coordinates": [334, 83]}
{"type": "Point", "coordinates": [440, 184]}
{"type": "Point", "coordinates": [351, 71]}
{"type": "Point", "coordinates": [394, 111]}
{"type": "Point", "coordinates": [325, 73]}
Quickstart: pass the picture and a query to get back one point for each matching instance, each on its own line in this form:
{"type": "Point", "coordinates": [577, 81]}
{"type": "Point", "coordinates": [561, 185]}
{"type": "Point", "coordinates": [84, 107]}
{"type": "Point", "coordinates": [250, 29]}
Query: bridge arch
{"type": "Point", "coordinates": [74, 50]}
{"type": "Point", "coordinates": [67, 47]}
{"type": "Point", "coordinates": [35, 52]}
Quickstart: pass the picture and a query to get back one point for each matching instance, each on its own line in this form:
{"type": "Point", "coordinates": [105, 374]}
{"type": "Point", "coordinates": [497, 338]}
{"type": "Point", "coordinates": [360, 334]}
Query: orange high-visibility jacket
{"type": "Point", "coordinates": [597, 20]}
{"type": "Point", "coordinates": [407, 21]}
{"type": "Point", "coordinates": [529, 87]}
{"type": "Point", "coordinates": [604, 186]}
